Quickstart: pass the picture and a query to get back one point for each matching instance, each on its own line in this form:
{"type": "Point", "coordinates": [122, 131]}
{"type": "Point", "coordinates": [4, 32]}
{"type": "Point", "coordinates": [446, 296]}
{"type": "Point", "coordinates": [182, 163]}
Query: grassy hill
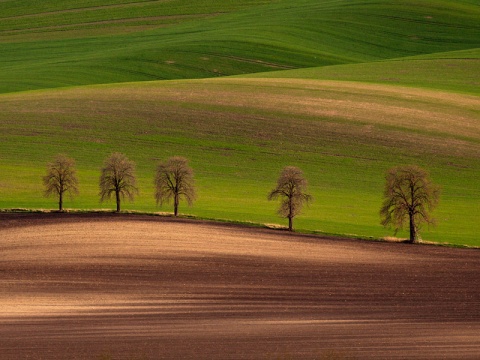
{"type": "Point", "coordinates": [90, 42]}
{"type": "Point", "coordinates": [24, 20]}
{"type": "Point", "coordinates": [239, 133]}
{"type": "Point", "coordinates": [342, 89]}
{"type": "Point", "coordinates": [454, 71]}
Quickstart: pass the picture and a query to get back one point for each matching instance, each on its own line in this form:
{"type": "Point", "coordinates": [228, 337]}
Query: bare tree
{"type": "Point", "coordinates": [118, 177]}
{"type": "Point", "coordinates": [61, 178]}
{"type": "Point", "coordinates": [291, 186]}
{"type": "Point", "coordinates": [409, 195]}
{"type": "Point", "coordinates": [174, 180]}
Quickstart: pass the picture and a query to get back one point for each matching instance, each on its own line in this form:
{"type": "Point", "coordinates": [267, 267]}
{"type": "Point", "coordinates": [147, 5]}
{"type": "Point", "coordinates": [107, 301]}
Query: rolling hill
{"type": "Point", "coordinates": [342, 89]}
{"type": "Point", "coordinates": [239, 133]}
{"type": "Point", "coordinates": [90, 42]}
{"type": "Point", "coordinates": [454, 71]}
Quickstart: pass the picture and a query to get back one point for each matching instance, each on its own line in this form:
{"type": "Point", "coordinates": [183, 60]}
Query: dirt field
{"type": "Point", "coordinates": [105, 286]}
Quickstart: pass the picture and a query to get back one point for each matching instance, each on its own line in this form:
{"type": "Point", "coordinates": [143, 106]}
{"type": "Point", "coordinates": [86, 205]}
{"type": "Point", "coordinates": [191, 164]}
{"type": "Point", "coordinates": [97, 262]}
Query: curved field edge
{"type": "Point", "coordinates": [456, 71]}
{"type": "Point", "coordinates": [239, 133]}
{"type": "Point", "coordinates": [53, 215]}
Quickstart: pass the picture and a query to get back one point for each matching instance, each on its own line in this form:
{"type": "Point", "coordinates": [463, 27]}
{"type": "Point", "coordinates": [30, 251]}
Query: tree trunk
{"type": "Point", "coordinates": [117, 194]}
{"type": "Point", "coordinates": [60, 201]}
{"type": "Point", "coordinates": [290, 215]}
{"type": "Point", "coordinates": [413, 231]}
{"type": "Point", "coordinates": [411, 214]}
{"type": "Point", "coordinates": [175, 205]}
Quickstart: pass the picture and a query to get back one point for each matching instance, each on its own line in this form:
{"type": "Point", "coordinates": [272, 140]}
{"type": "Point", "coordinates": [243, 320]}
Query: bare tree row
{"type": "Point", "coordinates": [409, 194]}
{"type": "Point", "coordinates": [173, 180]}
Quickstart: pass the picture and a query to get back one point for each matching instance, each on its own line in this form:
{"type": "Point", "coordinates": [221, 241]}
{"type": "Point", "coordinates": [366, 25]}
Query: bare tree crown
{"type": "Point", "coordinates": [409, 196]}
{"type": "Point", "coordinates": [173, 181]}
{"type": "Point", "coordinates": [291, 187]}
{"type": "Point", "coordinates": [61, 178]}
{"type": "Point", "coordinates": [118, 177]}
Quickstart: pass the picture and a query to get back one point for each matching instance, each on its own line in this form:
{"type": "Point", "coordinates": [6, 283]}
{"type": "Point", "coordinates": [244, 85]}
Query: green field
{"type": "Point", "coordinates": [455, 71]}
{"type": "Point", "coordinates": [55, 45]}
{"type": "Point", "coordinates": [365, 90]}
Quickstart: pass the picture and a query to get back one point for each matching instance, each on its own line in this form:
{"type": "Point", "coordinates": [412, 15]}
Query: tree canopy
{"type": "Point", "coordinates": [173, 181]}
{"type": "Point", "coordinates": [409, 196]}
{"type": "Point", "coordinates": [118, 177]}
{"type": "Point", "coordinates": [291, 187]}
{"type": "Point", "coordinates": [61, 178]}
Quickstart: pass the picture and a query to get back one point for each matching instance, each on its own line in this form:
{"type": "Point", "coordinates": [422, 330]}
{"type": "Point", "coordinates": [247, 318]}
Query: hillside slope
{"type": "Point", "coordinates": [24, 20]}
{"type": "Point", "coordinates": [255, 36]}
{"type": "Point", "coordinates": [374, 85]}
{"type": "Point", "coordinates": [238, 133]}
{"type": "Point", "coordinates": [454, 71]}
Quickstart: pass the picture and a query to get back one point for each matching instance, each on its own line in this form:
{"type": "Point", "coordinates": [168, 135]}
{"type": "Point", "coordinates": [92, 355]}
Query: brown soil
{"type": "Point", "coordinates": [106, 286]}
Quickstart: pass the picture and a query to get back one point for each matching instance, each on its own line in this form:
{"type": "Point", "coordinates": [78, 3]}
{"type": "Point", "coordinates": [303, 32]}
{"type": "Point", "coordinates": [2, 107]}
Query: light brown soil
{"type": "Point", "coordinates": [105, 286]}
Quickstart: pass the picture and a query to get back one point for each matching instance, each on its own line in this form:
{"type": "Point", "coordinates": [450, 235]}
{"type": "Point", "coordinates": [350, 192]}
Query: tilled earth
{"type": "Point", "coordinates": [106, 286]}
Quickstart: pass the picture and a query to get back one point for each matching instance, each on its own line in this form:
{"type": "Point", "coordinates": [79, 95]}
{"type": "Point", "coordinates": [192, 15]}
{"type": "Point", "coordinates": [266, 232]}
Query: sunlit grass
{"type": "Point", "coordinates": [239, 133]}
{"type": "Point", "coordinates": [368, 100]}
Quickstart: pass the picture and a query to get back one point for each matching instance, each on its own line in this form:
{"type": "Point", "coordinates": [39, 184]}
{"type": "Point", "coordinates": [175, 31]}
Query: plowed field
{"type": "Point", "coordinates": [105, 286]}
